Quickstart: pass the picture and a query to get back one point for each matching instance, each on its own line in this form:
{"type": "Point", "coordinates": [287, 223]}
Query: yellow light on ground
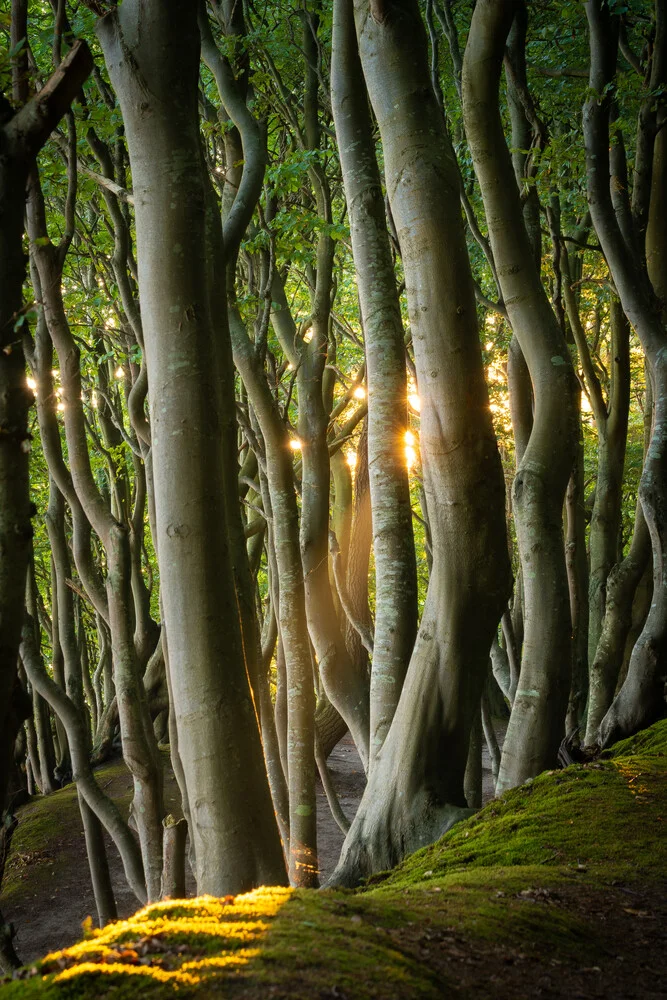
{"type": "Point", "coordinates": [415, 402]}
{"type": "Point", "coordinates": [31, 384]}
{"type": "Point", "coordinates": [119, 373]}
{"type": "Point", "coordinates": [409, 438]}
{"type": "Point", "coordinates": [295, 444]}
{"type": "Point", "coordinates": [359, 392]}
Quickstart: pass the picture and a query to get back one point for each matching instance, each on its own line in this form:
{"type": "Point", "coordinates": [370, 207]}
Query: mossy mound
{"type": "Point", "coordinates": [50, 823]}
{"type": "Point", "coordinates": [523, 891]}
{"type": "Point", "coordinates": [607, 814]}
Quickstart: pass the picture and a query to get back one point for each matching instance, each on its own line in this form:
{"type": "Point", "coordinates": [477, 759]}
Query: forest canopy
{"type": "Point", "coordinates": [333, 399]}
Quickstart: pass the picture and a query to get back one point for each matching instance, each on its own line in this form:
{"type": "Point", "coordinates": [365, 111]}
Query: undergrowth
{"type": "Point", "coordinates": [499, 878]}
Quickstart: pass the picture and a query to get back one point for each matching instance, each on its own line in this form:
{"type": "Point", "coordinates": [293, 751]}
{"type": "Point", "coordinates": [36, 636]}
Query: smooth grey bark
{"type": "Point", "coordinates": [345, 684]}
{"type": "Point", "coordinates": [64, 611]}
{"type": "Point", "coordinates": [40, 709]}
{"type": "Point", "coordinates": [98, 862]}
{"type": "Point", "coordinates": [82, 493]}
{"type": "Point", "coordinates": [621, 228]}
{"type": "Point", "coordinates": [173, 870]}
{"type": "Point", "coordinates": [538, 714]}
{"type": "Point", "coordinates": [415, 789]}
{"type": "Point", "coordinates": [519, 385]}
{"type": "Point", "coordinates": [45, 749]}
{"type": "Point", "coordinates": [357, 562]}
{"type": "Point", "coordinates": [387, 422]}
{"type": "Point", "coordinates": [152, 54]}
{"type": "Point", "coordinates": [472, 779]}
{"type": "Point", "coordinates": [622, 584]}
{"type": "Point", "coordinates": [611, 420]}
{"type": "Point", "coordinates": [295, 706]}
{"type": "Point", "coordinates": [245, 153]}
{"type": "Point", "coordinates": [576, 562]}
{"type": "Point", "coordinates": [103, 807]}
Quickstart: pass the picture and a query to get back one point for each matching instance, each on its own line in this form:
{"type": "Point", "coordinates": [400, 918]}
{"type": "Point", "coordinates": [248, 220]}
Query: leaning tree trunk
{"type": "Point", "coordinates": [298, 730]}
{"type": "Point", "coordinates": [22, 134]}
{"type": "Point", "coordinates": [641, 698]}
{"type": "Point", "coordinates": [103, 807]}
{"type": "Point", "coordinates": [537, 722]}
{"type": "Point", "coordinates": [393, 542]}
{"type": "Point", "coordinates": [415, 789]}
{"type": "Point", "coordinates": [139, 747]}
{"type": "Point", "coordinates": [152, 53]}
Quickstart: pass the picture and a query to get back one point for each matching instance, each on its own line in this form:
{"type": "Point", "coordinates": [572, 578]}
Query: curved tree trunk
{"type": "Point", "coordinates": [296, 694]}
{"type": "Point", "coordinates": [415, 789]}
{"type": "Point", "coordinates": [22, 134]}
{"type": "Point", "coordinates": [393, 541]}
{"type": "Point", "coordinates": [537, 722]}
{"type": "Point", "coordinates": [641, 698]}
{"type": "Point", "coordinates": [152, 53]}
{"type": "Point", "coordinates": [103, 807]}
{"type": "Point", "coordinates": [577, 576]}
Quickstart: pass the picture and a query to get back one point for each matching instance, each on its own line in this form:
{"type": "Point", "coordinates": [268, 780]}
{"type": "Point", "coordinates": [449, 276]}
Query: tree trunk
{"type": "Point", "coordinates": [22, 134]}
{"type": "Point", "coordinates": [152, 53]}
{"type": "Point", "coordinates": [296, 693]}
{"type": "Point", "coordinates": [415, 789]}
{"type": "Point", "coordinates": [393, 541]}
{"type": "Point", "coordinates": [641, 699]}
{"type": "Point", "coordinates": [537, 722]}
{"type": "Point", "coordinates": [577, 576]}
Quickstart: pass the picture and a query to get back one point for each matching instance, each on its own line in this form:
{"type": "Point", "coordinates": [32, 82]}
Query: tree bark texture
{"type": "Point", "coordinates": [152, 54]}
{"type": "Point", "coordinates": [22, 134]}
{"type": "Point", "coordinates": [415, 790]}
{"type": "Point", "coordinates": [620, 226]}
{"type": "Point", "coordinates": [393, 541]}
{"type": "Point", "coordinates": [538, 715]}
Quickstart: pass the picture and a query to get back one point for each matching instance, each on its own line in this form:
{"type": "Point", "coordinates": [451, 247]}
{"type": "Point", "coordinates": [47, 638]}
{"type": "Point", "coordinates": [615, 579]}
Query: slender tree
{"type": "Point", "coordinates": [193, 433]}
{"type": "Point", "coordinates": [415, 790]}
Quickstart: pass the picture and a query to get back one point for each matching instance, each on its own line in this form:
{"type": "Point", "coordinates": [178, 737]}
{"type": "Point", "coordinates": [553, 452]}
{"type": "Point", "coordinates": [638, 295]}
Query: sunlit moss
{"type": "Point", "coordinates": [587, 825]}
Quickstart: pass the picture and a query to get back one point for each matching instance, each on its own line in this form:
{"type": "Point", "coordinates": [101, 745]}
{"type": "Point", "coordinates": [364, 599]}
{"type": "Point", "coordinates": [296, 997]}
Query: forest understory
{"type": "Point", "coordinates": [558, 889]}
{"type": "Point", "coordinates": [333, 497]}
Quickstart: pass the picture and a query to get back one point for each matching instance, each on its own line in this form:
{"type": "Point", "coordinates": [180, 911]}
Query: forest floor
{"type": "Point", "coordinates": [557, 889]}
{"type": "Point", "coordinates": [47, 892]}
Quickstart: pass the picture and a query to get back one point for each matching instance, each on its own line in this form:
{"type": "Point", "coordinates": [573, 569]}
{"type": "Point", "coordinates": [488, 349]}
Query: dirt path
{"type": "Point", "coordinates": [49, 859]}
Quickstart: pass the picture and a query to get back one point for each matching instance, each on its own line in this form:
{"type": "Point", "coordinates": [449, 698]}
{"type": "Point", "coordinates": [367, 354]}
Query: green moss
{"type": "Point", "coordinates": [605, 814]}
{"type": "Point", "coordinates": [45, 824]}
{"type": "Point", "coordinates": [648, 743]}
{"type": "Point", "coordinates": [509, 877]}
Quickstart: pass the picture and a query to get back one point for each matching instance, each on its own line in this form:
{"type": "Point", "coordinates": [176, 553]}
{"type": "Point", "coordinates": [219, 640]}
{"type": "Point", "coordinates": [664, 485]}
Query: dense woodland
{"type": "Point", "coordinates": [333, 397]}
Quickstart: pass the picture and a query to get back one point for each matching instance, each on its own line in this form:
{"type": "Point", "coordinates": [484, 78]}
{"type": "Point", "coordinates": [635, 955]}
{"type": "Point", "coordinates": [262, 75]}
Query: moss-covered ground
{"type": "Point", "coordinates": [559, 888]}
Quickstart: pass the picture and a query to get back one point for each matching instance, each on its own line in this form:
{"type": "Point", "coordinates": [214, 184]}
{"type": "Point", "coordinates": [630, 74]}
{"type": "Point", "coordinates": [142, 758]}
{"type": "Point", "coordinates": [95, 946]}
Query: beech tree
{"type": "Point", "coordinates": [344, 328]}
